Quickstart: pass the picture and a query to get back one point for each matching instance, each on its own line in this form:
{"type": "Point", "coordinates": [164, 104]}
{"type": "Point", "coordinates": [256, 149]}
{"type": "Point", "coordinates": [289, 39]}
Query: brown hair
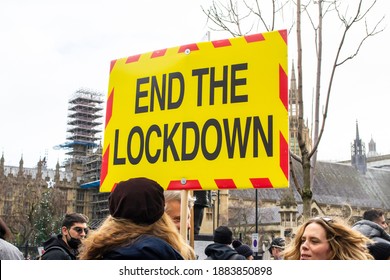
{"type": "Point", "coordinates": [72, 218]}
{"type": "Point", "coordinates": [5, 232]}
{"type": "Point", "coordinates": [345, 243]}
{"type": "Point", "coordinates": [115, 232]}
{"type": "Point", "coordinates": [373, 214]}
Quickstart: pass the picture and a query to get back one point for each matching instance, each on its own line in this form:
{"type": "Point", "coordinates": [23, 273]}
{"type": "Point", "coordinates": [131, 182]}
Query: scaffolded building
{"type": "Point", "coordinates": [85, 151]}
{"type": "Point", "coordinates": [83, 145]}
{"type": "Point", "coordinates": [84, 134]}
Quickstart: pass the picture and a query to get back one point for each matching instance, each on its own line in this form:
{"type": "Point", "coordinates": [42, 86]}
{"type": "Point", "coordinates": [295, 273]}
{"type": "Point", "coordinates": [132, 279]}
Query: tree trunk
{"type": "Point", "coordinates": [306, 190]}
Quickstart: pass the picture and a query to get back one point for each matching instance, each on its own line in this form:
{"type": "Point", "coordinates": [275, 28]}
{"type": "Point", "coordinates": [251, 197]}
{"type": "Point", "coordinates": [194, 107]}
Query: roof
{"type": "Point", "coordinates": [335, 184]}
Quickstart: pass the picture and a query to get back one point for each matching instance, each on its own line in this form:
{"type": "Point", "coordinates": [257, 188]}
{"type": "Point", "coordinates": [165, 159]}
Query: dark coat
{"type": "Point", "coordinates": [380, 250]}
{"type": "Point", "coordinates": [217, 251]}
{"type": "Point", "coordinates": [144, 248]}
{"type": "Point", "coordinates": [56, 249]}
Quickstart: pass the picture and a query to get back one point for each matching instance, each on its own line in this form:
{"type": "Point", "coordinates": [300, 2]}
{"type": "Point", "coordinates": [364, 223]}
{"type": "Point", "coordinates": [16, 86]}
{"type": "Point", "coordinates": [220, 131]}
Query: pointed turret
{"type": "Point", "coordinates": [57, 174]}
{"type": "Point", "coordinates": [39, 170]}
{"type": "Point", "coordinates": [357, 131]}
{"type": "Point", "coordinates": [293, 80]}
{"type": "Point", "coordinates": [21, 172]}
{"type": "Point", "coordinates": [2, 165]}
{"type": "Point", "coordinates": [372, 148]}
{"type": "Point", "coordinates": [358, 153]}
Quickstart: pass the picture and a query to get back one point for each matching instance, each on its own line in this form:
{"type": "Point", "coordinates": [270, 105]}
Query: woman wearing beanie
{"type": "Point", "coordinates": [243, 249]}
{"type": "Point", "coordinates": [138, 228]}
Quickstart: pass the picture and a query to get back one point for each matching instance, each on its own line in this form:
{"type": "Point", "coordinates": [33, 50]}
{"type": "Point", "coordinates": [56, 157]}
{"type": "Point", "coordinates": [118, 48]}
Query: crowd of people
{"type": "Point", "coordinates": [144, 224]}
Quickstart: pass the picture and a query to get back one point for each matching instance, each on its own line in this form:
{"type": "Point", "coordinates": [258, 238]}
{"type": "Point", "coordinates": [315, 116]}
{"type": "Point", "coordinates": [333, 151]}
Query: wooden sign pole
{"type": "Point", "coordinates": [184, 214]}
{"type": "Point", "coordinates": [192, 234]}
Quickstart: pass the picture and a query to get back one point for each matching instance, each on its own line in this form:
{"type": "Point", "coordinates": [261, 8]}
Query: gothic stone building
{"type": "Point", "coordinates": [20, 185]}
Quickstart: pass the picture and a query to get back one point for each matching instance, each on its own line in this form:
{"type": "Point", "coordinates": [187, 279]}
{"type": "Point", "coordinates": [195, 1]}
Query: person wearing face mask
{"type": "Point", "coordinates": [65, 246]}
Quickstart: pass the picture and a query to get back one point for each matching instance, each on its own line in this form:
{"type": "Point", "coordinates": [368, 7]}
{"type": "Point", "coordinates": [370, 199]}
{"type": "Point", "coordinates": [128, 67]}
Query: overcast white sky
{"type": "Point", "coordinates": [49, 49]}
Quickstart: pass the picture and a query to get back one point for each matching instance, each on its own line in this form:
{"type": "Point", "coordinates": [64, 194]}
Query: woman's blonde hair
{"type": "Point", "coordinates": [115, 233]}
{"type": "Point", "coordinates": [345, 243]}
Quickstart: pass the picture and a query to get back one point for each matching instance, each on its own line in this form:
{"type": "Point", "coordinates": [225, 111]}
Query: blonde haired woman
{"type": "Point", "coordinates": [138, 228]}
{"type": "Point", "coordinates": [323, 238]}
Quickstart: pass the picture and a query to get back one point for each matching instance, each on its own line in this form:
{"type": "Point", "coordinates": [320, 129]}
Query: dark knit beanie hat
{"type": "Point", "coordinates": [223, 235]}
{"type": "Point", "coordinates": [242, 249]}
{"type": "Point", "coordinates": [140, 200]}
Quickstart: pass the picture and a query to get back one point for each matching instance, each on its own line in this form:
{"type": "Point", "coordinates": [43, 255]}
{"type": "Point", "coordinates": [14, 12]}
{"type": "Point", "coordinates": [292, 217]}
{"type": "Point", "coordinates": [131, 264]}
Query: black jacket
{"type": "Point", "coordinates": [381, 248]}
{"type": "Point", "coordinates": [144, 248]}
{"type": "Point", "coordinates": [56, 249]}
{"type": "Point", "coordinates": [217, 251]}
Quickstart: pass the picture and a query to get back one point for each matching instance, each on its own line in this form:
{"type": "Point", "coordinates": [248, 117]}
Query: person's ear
{"type": "Point", "coordinates": [64, 230]}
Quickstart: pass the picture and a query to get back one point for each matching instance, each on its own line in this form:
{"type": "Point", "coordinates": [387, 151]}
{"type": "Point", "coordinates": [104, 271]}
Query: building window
{"type": "Point", "coordinates": [80, 209]}
{"type": "Point", "coordinates": [7, 208]}
{"type": "Point", "coordinates": [80, 195]}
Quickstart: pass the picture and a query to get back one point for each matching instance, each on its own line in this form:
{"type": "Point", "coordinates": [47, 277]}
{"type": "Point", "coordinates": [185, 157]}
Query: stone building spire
{"type": "Point", "coordinates": [2, 165]}
{"type": "Point", "coordinates": [372, 148]}
{"type": "Point", "coordinates": [358, 153]}
{"type": "Point", "coordinates": [57, 173]}
{"type": "Point", "coordinates": [39, 170]}
{"type": "Point", "coordinates": [21, 173]}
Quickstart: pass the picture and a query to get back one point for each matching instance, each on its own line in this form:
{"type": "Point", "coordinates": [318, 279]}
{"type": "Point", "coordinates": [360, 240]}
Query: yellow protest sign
{"type": "Point", "coordinates": [211, 115]}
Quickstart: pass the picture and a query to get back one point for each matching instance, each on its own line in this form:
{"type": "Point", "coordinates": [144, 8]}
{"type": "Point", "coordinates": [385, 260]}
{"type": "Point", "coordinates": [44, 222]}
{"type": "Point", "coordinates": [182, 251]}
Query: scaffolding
{"type": "Point", "coordinates": [84, 151]}
{"type": "Point", "coordinates": [92, 165]}
{"type": "Point", "coordinates": [83, 133]}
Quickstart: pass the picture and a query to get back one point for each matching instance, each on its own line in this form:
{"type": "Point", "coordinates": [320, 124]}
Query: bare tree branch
{"type": "Point", "coordinates": [370, 33]}
{"type": "Point", "coordinates": [347, 27]}
{"type": "Point", "coordinates": [227, 18]}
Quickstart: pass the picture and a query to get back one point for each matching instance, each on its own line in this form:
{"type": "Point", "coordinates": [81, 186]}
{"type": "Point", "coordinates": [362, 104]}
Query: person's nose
{"type": "Point", "coordinates": [304, 245]}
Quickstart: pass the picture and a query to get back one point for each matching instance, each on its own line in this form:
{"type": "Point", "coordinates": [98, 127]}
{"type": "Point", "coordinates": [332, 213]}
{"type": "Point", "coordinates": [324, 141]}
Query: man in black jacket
{"type": "Point", "coordinates": [65, 245]}
{"type": "Point", "coordinates": [374, 227]}
{"type": "Point", "coordinates": [220, 249]}
{"type": "Point", "coordinates": [376, 216]}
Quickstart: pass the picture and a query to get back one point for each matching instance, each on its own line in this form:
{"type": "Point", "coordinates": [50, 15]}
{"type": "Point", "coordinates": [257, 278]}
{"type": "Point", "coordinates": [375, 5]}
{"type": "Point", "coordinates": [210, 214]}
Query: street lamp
{"type": "Point", "coordinates": [257, 218]}
{"type": "Point", "coordinates": [213, 198]}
